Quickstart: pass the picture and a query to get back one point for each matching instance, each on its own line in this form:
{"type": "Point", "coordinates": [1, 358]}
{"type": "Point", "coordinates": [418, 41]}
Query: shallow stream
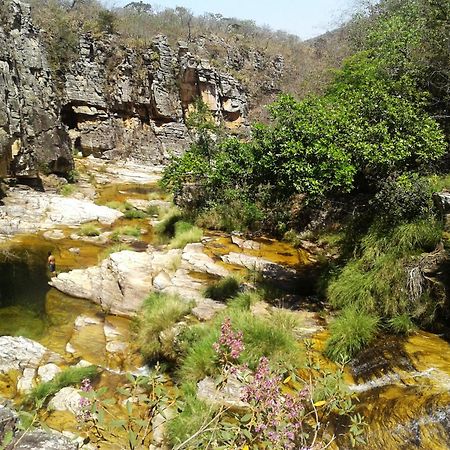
{"type": "Point", "coordinates": [403, 385]}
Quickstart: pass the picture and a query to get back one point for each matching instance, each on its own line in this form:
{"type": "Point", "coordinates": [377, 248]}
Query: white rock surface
{"type": "Point", "coordinates": [28, 211]}
{"type": "Point", "coordinates": [25, 382]}
{"type": "Point", "coordinates": [48, 372]}
{"type": "Point", "coordinates": [18, 353]}
{"type": "Point", "coordinates": [67, 399]}
{"type": "Point", "coordinates": [195, 259]}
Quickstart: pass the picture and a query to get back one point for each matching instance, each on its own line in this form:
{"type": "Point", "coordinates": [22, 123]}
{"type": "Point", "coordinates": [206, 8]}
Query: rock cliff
{"type": "Point", "coordinates": [112, 101]}
{"type": "Point", "coordinates": [120, 102]}
{"type": "Point", "coordinates": [32, 137]}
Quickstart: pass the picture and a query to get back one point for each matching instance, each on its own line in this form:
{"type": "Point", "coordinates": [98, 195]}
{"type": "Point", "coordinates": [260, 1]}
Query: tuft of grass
{"type": "Point", "coordinates": [68, 377]}
{"type": "Point", "coordinates": [89, 230]}
{"type": "Point", "coordinates": [113, 249]}
{"type": "Point", "coordinates": [223, 289]}
{"type": "Point", "coordinates": [135, 214]}
{"type": "Point", "coordinates": [160, 312]}
{"type": "Point", "coordinates": [116, 205]}
{"type": "Point", "coordinates": [376, 279]}
{"type": "Point", "coordinates": [401, 324]}
{"type": "Point", "coordinates": [195, 414]}
{"type": "Point", "coordinates": [125, 231]}
{"type": "Point", "coordinates": [244, 300]}
{"type": "Point", "coordinates": [440, 183]}
{"type": "Point", "coordinates": [185, 233]}
{"type": "Point", "coordinates": [169, 217]}
{"type": "Point", "coordinates": [67, 190]}
{"type": "Point", "coordinates": [350, 332]}
{"type": "Point", "coordinates": [261, 338]}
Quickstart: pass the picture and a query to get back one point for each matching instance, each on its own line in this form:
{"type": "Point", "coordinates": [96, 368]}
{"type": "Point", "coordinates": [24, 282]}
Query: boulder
{"type": "Point", "coordinates": [19, 353]}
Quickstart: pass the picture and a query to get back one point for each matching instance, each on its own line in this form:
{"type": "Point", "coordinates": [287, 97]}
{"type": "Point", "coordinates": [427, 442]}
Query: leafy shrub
{"type": "Point", "coordinates": [404, 199]}
{"type": "Point", "coordinates": [350, 332]}
{"type": "Point", "coordinates": [134, 214]}
{"type": "Point", "coordinates": [125, 231]}
{"type": "Point", "coordinates": [166, 227]}
{"type": "Point", "coordinates": [67, 190]}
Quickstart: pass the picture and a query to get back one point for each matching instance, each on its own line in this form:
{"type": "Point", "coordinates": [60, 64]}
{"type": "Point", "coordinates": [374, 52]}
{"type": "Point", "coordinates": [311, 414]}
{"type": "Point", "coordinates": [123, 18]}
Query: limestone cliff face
{"type": "Point", "coordinates": [119, 102]}
{"type": "Point", "coordinates": [32, 137]}
{"type": "Point", "coordinates": [112, 101]}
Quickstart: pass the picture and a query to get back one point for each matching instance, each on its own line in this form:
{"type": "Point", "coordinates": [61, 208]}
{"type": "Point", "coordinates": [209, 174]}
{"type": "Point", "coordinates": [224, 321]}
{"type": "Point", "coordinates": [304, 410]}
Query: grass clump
{"type": "Point", "coordinates": [401, 324]}
{"type": "Point", "coordinates": [261, 337]}
{"type": "Point", "coordinates": [135, 214]}
{"type": "Point", "coordinates": [223, 289]}
{"type": "Point", "coordinates": [168, 219]}
{"type": "Point", "coordinates": [67, 190]}
{"type": "Point", "coordinates": [185, 233]}
{"type": "Point", "coordinates": [244, 300]}
{"type": "Point", "coordinates": [68, 377]}
{"type": "Point", "coordinates": [350, 332]}
{"type": "Point", "coordinates": [89, 230]}
{"type": "Point", "coordinates": [376, 279]}
{"type": "Point", "coordinates": [159, 313]}
{"type": "Point", "coordinates": [125, 231]}
{"type": "Point", "coordinates": [195, 414]}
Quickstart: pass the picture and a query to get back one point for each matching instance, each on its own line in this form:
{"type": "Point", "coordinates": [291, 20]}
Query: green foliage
{"type": "Point", "coordinates": [89, 230]}
{"type": "Point", "coordinates": [128, 210]}
{"type": "Point", "coordinates": [124, 418]}
{"type": "Point", "coordinates": [404, 199]}
{"type": "Point", "coordinates": [134, 214]}
{"type": "Point", "coordinates": [244, 300]}
{"type": "Point", "coordinates": [411, 39]}
{"type": "Point", "coordinates": [159, 313]}
{"type": "Point", "coordinates": [185, 233]}
{"type": "Point", "coordinates": [106, 21]}
{"type": "Point", "coordinates": [350, 332]}
{"type": "Point", "coordinates": [67, 190]}
{"type": "Point", "coordinates": [166, 227]}
{"type": "Point", "coordinates": [401, 324]}
{"type": "Point", "coordinates": [375, 281]}
{"type": "Point", "coordinates": [261, 338]}
{"type": "Point", "coordinates": [68, 377]}
{"type": "Point", "coordinates": [194, 414]}
{"type": "Point", "coordinates": [125, 231]}
{"type": "Point", "coordinates": [368, 126]}
{"type": "Point", "coordinates": [223, 289]}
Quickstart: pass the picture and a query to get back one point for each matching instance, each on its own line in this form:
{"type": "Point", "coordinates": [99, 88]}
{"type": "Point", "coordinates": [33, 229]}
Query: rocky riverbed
{"type": "Point", "coordinates": [83, 315]}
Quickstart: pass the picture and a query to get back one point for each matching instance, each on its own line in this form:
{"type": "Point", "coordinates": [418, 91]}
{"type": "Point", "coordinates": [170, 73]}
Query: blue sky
{"type": "Point", "coordinates": [306, 18]}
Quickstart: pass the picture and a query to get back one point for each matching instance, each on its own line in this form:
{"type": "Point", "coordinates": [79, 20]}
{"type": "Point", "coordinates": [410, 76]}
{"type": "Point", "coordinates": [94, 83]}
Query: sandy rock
{"type": "Point", "coordinates": [228, 396]}
{"type": "Point", "coordinates": [195, 259]}
{"type": "Point", "coordinates": [245, 243]}
{"type": "Point", "coordinates": [207, 308]}
{"type": "Point", "coordinates": [48, 372]}
{"type": "Point", "coordinates": [67, 399]}
{"type": "Point", "coordinates": [26, 211]}
{"type": "Point", "coordinates": [54, 234]}
{"type": "Point", "coordinates": [19, 353]}
{"type": "Point", "coordinates": [25, 382]}
{"type": "Point", "coordinates": [162, 281]}
{"type": "Point", "coordinates": [42, 440]}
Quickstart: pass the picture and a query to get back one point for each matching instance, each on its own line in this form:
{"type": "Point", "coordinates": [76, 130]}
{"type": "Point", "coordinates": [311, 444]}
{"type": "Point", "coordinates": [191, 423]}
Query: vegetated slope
{"type": "Point", "coordinates": [365, 147]}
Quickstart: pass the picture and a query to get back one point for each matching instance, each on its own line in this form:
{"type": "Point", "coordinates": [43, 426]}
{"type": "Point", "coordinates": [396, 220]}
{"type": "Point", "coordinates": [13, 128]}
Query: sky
{"type": "Point", "coordinates": [305, 18]}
